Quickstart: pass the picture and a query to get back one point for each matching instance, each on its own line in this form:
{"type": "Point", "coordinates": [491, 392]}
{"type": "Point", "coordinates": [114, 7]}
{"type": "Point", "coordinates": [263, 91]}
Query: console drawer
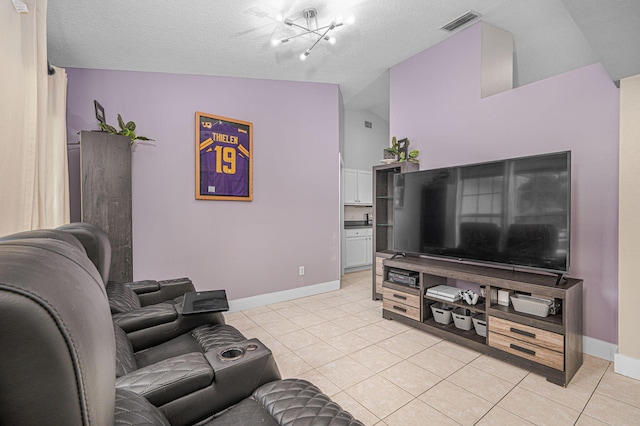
{"type": "Point", "coordinates": [396, 296]}
{"type": "Point", "coordinates": [400, 308]}
{"type": "Point", "coordinates": [526, 350]}
{"type": "Point", "coordinates": [528, 334]}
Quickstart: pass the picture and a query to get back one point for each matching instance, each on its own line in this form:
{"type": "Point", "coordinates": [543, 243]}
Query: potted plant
{"type": "Point", "coordinates": [128, 129]}
{"type": "Point", "coordinates": [400, 151]}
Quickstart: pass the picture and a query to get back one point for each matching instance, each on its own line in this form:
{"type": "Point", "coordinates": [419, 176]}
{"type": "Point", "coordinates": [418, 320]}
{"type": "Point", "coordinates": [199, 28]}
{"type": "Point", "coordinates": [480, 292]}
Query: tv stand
{"type": "Point", "coordinates": [550, 346]}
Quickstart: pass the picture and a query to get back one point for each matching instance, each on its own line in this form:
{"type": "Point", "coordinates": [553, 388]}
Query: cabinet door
{"type": "Point", "coordinates": [350, 186]}
{"type": "Point", "coordinates": [365, 188]}
{"type": "Point", "coordinates": [356, 248]}
{"type": "Point", "coordinates": [369, 250]}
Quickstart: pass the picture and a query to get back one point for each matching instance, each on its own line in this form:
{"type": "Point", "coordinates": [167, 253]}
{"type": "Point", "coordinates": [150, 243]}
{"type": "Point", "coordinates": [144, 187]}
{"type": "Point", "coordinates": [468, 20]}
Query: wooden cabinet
{"type": "Point", "coordinates": [550, 346]}
{"type": "Point", "coordinates": [382, 247]}
{"type": "Point", "coordinates": [357, 187]}
{"type": "Point", "coordinates": [358, 247]}
{"type": "Point", "coordinates": [105, 170]}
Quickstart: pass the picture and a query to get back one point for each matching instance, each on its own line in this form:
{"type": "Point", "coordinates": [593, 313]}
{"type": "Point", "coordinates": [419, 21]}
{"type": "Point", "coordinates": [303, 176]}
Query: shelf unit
{"type": "Point", "coordinates": [383, 217]}
{"type": "Point", "coordinates": [550, 346]}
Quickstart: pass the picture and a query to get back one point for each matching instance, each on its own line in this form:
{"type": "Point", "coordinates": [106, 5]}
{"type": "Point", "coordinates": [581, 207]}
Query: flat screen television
{"type": "Point", "coordinates": [513, 212]}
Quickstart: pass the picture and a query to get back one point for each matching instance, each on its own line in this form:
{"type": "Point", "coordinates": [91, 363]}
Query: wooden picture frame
{"type": "Point", "coordinates": [403, 147]}
{"type": "Point", "coordinates": [224, 158]}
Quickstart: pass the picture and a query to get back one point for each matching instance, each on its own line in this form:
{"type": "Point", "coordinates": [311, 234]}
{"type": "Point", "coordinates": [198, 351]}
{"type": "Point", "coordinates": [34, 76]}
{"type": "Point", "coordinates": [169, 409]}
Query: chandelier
{"type": "Point", "coordinates": [319, 33]}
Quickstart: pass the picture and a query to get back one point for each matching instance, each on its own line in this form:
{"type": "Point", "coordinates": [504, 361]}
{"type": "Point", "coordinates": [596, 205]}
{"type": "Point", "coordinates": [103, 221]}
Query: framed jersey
{"type": "Point", "coordinates": [224, 151]}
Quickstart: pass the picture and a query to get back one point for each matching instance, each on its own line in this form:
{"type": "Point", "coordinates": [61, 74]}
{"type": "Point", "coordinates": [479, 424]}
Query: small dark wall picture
{"type": "Point", "coordinates": [99, 112]}
{"type": "Point", "coordinates": [403, 149]}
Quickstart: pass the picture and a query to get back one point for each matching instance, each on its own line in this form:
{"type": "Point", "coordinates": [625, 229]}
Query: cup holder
{"type": "Point", "coordinates": [231, 354]}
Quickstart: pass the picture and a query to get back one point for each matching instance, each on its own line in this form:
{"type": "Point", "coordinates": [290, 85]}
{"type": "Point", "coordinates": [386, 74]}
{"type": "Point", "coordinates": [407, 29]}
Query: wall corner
{"type": "Point", "coordinates": [497, 60]}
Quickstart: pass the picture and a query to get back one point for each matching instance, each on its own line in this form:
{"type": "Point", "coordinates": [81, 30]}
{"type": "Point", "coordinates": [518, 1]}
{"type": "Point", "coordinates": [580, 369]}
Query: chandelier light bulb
{"type": "Point", "coordinates": [332, 40]}
{"type": "Point", "coordinates": [275, 42]}
{"type": "Point", "coordinates": [303, 55]}
{"type": "Point", "coordinates": [350, 20]}
{"type": "Point", "coordinates": [279, 18]}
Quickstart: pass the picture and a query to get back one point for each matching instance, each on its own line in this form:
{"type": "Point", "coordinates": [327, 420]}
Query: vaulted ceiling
{"type": "Point", "coordinates": [233, 38]}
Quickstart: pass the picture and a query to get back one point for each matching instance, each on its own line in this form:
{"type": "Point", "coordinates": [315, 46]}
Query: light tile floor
{"type": "Point", "coordinates": [386, 373]}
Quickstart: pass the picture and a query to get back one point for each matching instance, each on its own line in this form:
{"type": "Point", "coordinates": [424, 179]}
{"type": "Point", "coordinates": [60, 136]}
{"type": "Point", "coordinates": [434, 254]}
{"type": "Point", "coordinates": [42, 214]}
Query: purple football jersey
{"type": "Point", "coordinates": [224, 160]}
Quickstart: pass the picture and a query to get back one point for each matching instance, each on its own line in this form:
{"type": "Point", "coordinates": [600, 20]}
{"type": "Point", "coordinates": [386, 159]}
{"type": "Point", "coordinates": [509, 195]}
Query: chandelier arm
{"type": "Point", "coordinates": [309, 30]}
{"type": "Point", "coordinates": [301, 34]}
{"type": "Point", "coordinates": [329, 28]}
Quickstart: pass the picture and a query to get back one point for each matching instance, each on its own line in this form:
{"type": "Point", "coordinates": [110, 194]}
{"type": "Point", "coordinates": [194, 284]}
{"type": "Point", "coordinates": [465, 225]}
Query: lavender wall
{"type": "Point", "coordinates": [435, 102]}
{"type": "Point", "coordinates": [248, 248]}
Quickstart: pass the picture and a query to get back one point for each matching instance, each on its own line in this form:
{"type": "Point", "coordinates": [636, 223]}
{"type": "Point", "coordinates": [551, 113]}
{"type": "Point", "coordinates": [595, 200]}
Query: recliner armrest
{"type": "Point", "coordinates": [170, 379]}
{"type": "Point", "coordinates": [168, 290]}
{"type": "Point", "coordinates": [237, 378]}
{"type": "Point", "coordinates": [146, 317]}
{"type": "Point", "coordinates": [144, 286]}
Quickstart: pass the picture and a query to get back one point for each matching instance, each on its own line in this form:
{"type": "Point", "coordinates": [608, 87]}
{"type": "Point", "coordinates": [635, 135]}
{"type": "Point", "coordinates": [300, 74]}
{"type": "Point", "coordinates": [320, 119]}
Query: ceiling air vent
{"type": "Point", "coordinates": [368, 124]}
{"type": "Point", "coordinates": [460, 20]}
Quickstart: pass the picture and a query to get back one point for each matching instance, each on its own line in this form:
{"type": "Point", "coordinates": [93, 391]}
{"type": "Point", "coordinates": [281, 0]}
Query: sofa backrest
{"type": "Point", "coordinates": [96, 243]}
{"type": "Point", "coordinates": [57, 347]}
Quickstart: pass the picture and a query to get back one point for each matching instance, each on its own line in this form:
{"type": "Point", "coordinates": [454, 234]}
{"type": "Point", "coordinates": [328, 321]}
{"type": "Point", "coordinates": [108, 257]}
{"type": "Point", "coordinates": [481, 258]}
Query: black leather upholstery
{"type": "Point", "coordinates": [56, 355]}
{"type": "Point", "coordinates": [286, 402]}
{"type": "Point", "coordinates": [57, 358]}
{"type": "Point", "coordinates": [96, 244]}
{"type": "Point", "coordinates": [132, 409]}
{"type": "Point", "coordinates": [151, 317]}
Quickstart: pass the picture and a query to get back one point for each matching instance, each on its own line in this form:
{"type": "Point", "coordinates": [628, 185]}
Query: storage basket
{"type": "Point", "coordinates": [462, 319]}
{"type": "Point", "coordinates": [441, 313]}
{"type": "Point", "coordinates": [480, 324]}
{"type": "Point", "coordinates": [531, 305]}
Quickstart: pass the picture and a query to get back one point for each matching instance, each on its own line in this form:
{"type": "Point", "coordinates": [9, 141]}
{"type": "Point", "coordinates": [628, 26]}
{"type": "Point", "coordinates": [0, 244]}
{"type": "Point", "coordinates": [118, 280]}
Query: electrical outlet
{"type": "Point", "coordinates": [301, 270]}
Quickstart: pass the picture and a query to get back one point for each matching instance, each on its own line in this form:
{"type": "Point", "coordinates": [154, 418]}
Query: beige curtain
{"type": "Point", "coordinates": [33, 159]}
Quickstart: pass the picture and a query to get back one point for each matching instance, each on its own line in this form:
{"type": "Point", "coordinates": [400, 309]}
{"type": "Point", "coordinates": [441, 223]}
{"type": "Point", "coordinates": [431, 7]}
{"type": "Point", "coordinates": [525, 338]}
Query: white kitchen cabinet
{"type": "Point", "coordinates": [358, 188]}
{"type": "Point", "coordinates": [359, 247]}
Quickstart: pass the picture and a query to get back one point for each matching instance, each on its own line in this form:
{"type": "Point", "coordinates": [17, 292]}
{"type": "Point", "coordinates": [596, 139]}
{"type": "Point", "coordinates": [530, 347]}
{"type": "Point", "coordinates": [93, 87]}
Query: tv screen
{"type": "Point", "coordinates": [512, 212]}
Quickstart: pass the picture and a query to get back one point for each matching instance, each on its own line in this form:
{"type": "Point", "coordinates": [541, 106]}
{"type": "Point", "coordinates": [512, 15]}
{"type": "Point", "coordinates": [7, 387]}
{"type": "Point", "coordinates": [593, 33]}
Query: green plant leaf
{"type": "Point", "coordinates": [414, 153]}
{"type": "Point", "coordinates": [121, 122]}
{"type": "Point", "coordinates": [130, 125]}
{"type": "Point", "coordinates": [143, 138]}
{"type": "Point", "coordinates": [109, 128]}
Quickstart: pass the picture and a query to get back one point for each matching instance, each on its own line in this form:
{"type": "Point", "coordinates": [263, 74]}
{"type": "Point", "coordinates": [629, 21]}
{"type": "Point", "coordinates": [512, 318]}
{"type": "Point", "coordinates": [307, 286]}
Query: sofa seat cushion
{"type": "Point", "coordinates": [145, 317]}
{"type": "Point", "coordinates": [287, 402]}
{"type": "Point", "coordinates": [170, 379]}
{"type": "Point", "coordinates": [121, 298]}
{"type": "Point", "coordinates": [132, 409]}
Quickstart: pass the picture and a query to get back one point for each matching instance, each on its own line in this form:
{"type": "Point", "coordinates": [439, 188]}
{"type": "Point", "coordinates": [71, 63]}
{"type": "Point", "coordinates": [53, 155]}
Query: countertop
{"type": "Point", "coordinates": [356, 224]}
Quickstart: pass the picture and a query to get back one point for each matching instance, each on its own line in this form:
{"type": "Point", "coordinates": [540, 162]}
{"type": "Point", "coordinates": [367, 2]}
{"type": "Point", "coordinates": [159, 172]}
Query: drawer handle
{"type": "Point", "coordinates": [398, 308]}
{"type": "Point", "coordinates": [398, 296]}
{"type": "Point", "coordinates": [523, 333]}
{"type": "Point", "coordinates": [521, 349]}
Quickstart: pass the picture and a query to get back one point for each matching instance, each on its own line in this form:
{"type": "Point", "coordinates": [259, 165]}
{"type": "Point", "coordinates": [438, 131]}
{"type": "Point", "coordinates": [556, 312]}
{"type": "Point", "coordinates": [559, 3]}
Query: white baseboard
{"type": "Point", "coordinates": [282, 296]}
{"type": "Point", "coordinates": [627, 366]}
{"type": "Point", "coordinates": [599, 348]}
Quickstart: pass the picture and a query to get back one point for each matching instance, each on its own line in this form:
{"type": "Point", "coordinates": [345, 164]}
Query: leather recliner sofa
{"type": "Point", "coordinates": [149, 311]}
{"type": "Point", "coordinates": [57, 348]}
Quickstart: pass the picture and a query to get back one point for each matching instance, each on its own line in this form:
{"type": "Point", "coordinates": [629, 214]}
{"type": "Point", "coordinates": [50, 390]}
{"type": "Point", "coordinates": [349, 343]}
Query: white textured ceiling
{"type": "Point", "coordinates": [232, 38]}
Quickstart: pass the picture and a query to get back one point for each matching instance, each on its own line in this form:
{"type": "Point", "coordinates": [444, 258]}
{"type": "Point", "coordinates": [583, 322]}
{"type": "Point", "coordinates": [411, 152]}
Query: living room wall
{"type": "Point", "coordinates": [248, 248]}
{"type": "Point", "coordinates": [436, 103]}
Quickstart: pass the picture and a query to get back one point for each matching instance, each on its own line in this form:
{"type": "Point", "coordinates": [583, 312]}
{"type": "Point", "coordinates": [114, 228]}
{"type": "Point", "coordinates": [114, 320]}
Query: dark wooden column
{"type": "Point", "coordinates": [105, 170]}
